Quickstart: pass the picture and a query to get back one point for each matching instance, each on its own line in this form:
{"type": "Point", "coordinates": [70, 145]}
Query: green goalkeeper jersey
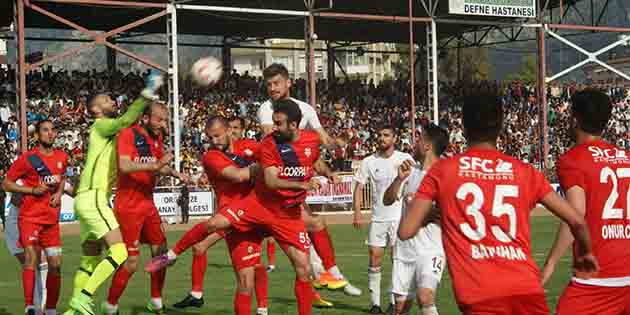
{"type": "Point", "coordinates": [101, 162]}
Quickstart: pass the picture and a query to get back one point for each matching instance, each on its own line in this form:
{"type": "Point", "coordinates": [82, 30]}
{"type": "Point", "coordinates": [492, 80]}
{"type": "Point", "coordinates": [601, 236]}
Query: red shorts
{"type": "Point", "coordinates": [250, 214]}
{"type": "Point", "coordinates": [245, 248]}
{"type": "Point", "coordinates": [509, 305]}
{"type": "Point", "coordinates": [140, 225]}
{"type": "Point", "coordinates": [586, 299]}
{"type": "Point", "coordinates": [46, 236]}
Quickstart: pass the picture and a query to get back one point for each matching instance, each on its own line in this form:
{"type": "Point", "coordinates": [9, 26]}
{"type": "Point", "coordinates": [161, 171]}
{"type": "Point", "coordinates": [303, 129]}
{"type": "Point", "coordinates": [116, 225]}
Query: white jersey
{"type": "Point", "coordinates": [309, 116]}
{"type": "Point", "coordinates": [380, 172]}
{"type": "Point", "coordinates": [429, 238]}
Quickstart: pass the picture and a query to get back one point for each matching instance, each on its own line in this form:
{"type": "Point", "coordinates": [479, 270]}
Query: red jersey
{"type": "Point", "coordinates": [136, 143]}
{"type": "Point", "coordinates": [485, 199]}
{"type": "Point", "coordinates": [215, 161]}
{"type": "Point", "coordinates": [603, 171]}
{"type": "Point", "coordinates": [33, 168]}
{"type": "Point", "coordinates": [295, 162]}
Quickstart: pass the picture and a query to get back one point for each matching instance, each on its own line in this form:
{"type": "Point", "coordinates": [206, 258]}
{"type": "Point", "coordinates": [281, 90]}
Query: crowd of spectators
{"type": "Point", "coordinates": [350, 111]}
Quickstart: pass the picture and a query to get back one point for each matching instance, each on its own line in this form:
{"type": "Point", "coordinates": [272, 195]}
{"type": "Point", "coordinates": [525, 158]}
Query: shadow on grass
{"type": "Point", "coordinates": [338, 305]}
{"type": "Point", "coordinates": [140, 310]}
{"type": "Point", "coordinates": [220, 266]}
{"type": "Point", "coordinates": [4, 311]}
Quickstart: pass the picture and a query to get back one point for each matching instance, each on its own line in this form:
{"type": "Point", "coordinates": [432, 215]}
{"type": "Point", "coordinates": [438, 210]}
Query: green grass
{"type": "Point", "coordinates": [219, 282]}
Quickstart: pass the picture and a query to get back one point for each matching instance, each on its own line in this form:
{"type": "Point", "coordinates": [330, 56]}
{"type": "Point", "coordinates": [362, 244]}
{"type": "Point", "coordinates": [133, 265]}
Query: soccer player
{"type": "Point", "coordinates": [380, 170]}
{"type": "Point", "coordinates": [418, 262]}
{"type": "Point", "coordinates": [97, 219]}
{"type": "Point", "coordinates": [288, 158]}
{"type": "Point", "coordinates": [42, 171]}
{"type": "Point", "coordinates": [485, 198]}
{"type": "Point", "coordinates": [230, 167]}
{"type": "Point", "coordinates": [141, 158]}
{"type": "Point", "coordinates": [279, 88]}
{"type": "Point", "coordinates": [595, 176]}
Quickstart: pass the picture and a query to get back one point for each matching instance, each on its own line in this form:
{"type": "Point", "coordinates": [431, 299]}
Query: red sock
{"type": "Point", "coordinates": [262, 283]}
{"type": "Point", "coordinates": [28, 283]}
{"type": "Point", "coordinates": [199, 266]}
{"type": "Point", "coordinates": [53, 284]}
{"type": "Point", "coordinates": [157, 283]}
{"type": "Point", "coordinates": [304, 296]}
{"type": "Point", "coordinates": [195, 235]}
{"type": "Point", "coordinates": [242, 303]}
{"type": "Point", "coordinates": [271, 252]}
{"type": "Point", "coordinates": [119, 283]}
{"type": "Point", "coordinates": [324, 247]}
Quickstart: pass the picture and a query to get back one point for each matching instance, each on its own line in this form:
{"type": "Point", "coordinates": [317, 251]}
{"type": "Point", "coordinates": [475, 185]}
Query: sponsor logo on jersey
{"type": "Point", "coordinates": [293, 171]}
{"type": "Point", "coordinates": [475, 167]}
{"type": "Point", "coordinates": [613, 155]}
{"type": "Point", "coordinates": [51, 179]}
{"type": "Point", "coordinates": [145, 159]}
{"type": "Point", "coordinates": [248, 152]}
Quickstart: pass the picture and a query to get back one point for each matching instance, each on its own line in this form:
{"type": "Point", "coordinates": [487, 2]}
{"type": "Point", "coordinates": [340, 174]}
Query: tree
{"type": "Point", "coordinates": [474, 62]}
{"type": "Point", "coordinates": [528, 72]}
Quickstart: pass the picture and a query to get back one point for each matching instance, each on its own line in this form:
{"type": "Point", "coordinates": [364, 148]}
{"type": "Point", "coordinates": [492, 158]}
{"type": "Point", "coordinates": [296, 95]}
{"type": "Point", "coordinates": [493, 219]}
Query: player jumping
{"type": "Point", "coordinates": [485, 198]}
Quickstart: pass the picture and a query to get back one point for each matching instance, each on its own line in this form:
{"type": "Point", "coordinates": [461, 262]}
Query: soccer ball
{"type": "Point", "coordinates": [206, 71]}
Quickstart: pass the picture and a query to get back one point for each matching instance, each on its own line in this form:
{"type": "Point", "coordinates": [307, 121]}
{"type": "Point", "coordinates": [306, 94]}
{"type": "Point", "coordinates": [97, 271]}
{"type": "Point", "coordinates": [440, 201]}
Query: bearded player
{"type": "Point", "coordinates": [485, 198]}
{"type": "Point", "coordinates": [279, 88]}
{"type": "Point", "coordinates": [97, 220]}
{"type": "Point", "coordinates": [140, 155]}
{"type": "Point", "coordinates": [42, 172]}
{"type": "Point", "coordinates": [595, 176]}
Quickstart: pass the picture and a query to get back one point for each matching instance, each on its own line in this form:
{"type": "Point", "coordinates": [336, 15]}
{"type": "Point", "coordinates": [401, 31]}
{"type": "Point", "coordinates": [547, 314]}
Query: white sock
{"type": "Point", "coordinates": [392, 297]}
{"type": "Point", "coordinates": [429, 310]}
{"type": "Point", "coordinates": [39, 294]}
{"type": "Point", "coordinates": [110, 309]}
{"type": "Point", "coordinates": [196, 294]}
{"type": "Point", "coordinates": [316, 263]}
{"type": "Point", "coordinates": [171, 255]}
{"type": "Point", "coordinates": [51, 312]}
{"type": "Point", "coordinates": [336, 272]}
{"type": "Point", "coordinates": [261, 311]}
{"type": "Point", "coordinates": [157, 302]}
{"type": "Point", "coordinates": [374, 284]}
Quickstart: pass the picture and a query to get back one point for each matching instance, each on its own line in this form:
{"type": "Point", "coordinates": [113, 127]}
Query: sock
{"type": "Point", "coordinates": [28, 283]}
{"type": "Point", "coordinates": [304, 297]}
{"type": "Point", "coordinates": [195, 235]}
{"type": "Point", "coordinates": [242, 303]}
{"type": "Point", "coordinates": [109, 308]}
{"type": "Point", "coordinates": [39, 295]}
{"type": "Point", "coordinates": [392, 297]}
{"type": "Point", "coordinates": [196, 295]}
{"type": "Point", "coordinates": [157, 283]}
{"type": "Point", "coordinates": [324, 247]}
{"type": "Point", "coordinates": [199, 266]}
{"type": "Point", "coordinates": [86, 268]}
{"type": "Point", "coordinates": [429, 310]}
{"type": "Point", "coordinates": [261, 283]}
{"type": "Point", "coordinates": [271, 252]}
{"type": "Point", "coordinates": [157, 302]}
{"type": "Point", "coordinates": [316, 263]}
{"type": "Point", "coordinates": [336, 272]}
{"type": "Point", "coordinates": [117, 255]}
{"type": "Point", "coordinates": [119, 284]}
{"type": "Point", "coordinates": [51, 311]}
{"type": "Point", "coordinates": [53, 285]}
{"type": "Point", "coordinates": [374, 284]}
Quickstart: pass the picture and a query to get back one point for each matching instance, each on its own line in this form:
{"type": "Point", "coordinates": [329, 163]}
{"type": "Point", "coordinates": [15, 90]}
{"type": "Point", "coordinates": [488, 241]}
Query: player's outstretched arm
{"type": "Point", "coordinates": [585, 262]}
{"type": "Point", "coordinates": [274, 182]}
{"type": "Point", "coordinates": [11, 186]}
{"type": "Point", "coordinates": [564, 238]}
{"type": "Point", "coordinates": [411, 223]}
{"type": "Point", "coordinates": [322, 168]}
{"type": "Point", "coordinates": [108, 127]}
{"type": "Point", "coordinates": [392, 194]}
{"type": "Point", "coordinates": [239, 174]}
{"type": "Point", "coordinates": [169, 171]}
{"type": "Point", "coordinates": [127, 165]}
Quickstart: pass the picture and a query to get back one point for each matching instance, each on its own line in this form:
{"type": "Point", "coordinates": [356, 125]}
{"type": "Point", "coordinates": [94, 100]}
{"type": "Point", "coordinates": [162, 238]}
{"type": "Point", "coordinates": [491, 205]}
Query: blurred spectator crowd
{"type": "Point", "coordinates": [351, 111]}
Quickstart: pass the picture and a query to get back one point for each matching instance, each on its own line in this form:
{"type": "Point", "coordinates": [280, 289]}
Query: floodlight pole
{"type": "Point", "coordinates": [21, 74]}
{"type": "Point", "coordinates": [542, 95]}
{"type": "Point", "coordinates": [412, 74]}
{"type": "Point", "coordinates": [310, 41]}
{"type": "Point", "coordinates": [173, 81]}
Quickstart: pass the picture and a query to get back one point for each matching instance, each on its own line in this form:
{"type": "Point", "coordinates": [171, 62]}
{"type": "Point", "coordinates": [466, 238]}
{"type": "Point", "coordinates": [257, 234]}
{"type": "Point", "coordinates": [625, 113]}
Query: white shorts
{"type": "Point", "coordinates": [11, 232]}
{"type": "Point", "coordinates": [425, 273]}
{"type": "Point", "coordinates": [382, 234]}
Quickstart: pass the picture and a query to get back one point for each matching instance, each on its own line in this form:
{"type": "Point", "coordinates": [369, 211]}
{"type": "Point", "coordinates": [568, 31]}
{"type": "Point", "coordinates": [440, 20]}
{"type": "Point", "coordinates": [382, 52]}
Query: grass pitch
{"type": "Point", "coordinates": [219, 282]}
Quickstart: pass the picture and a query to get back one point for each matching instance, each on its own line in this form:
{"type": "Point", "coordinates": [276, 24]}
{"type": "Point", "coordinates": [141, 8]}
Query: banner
{"type": "Point", "coordinates": [502, 8]}
{"type": "Point", "coordinates": [333, 193]}
{"type": "Point", "coordinates": [199, 203]}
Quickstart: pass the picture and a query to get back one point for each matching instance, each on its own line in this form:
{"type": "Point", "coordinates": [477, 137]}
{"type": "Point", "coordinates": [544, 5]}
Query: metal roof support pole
{"type": "Point", "coordinates": [310, 41]}
{"type": "Point", "coordinates": [173, 81]}
{"type": "Point", "coordinates": [330, 49]}
{"type": "Point", "coordinates": [412, 74]}
{"type": "Point", "coordinates": [542, 95]}
{"type": "Point", "coordinates": [21, 73]}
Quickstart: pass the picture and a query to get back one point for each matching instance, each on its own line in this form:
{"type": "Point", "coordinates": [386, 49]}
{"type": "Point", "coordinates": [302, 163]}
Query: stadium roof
{"type": "Point", "coordinates": [255, 25]}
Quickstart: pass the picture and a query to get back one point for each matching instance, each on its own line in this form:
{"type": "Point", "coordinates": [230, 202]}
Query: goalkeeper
{"type": "Point", "coordinates": [97, 221]}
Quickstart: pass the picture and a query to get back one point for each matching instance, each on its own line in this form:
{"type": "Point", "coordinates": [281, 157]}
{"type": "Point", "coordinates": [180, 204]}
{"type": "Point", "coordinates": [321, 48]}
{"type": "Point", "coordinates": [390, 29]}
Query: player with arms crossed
{"type": "Point", "coordinates": [380, 170]}
{"type": "Point", "coordinates": [595, 176]}
{"type": "Point", "coordinates": [97, 220]}
{"type": "Point", "coordinates": [141, 159]}
{"type": "Point", "coordinates": [42, 171]}
{"type": "Point", "coordinates": [485, 198]}
{"type": "Point", "coordinates": [419, 261]}
{"type": "Point", "coordinates": [279, 88]}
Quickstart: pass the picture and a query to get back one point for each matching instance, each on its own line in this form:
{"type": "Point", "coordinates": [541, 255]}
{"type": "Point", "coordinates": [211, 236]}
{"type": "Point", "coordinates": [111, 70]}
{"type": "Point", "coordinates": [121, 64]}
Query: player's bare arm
{"type": "Point", "coordinates": [585, 261]}
{"type": "Point", "coordinates": [127, 165]}
{"type": "Point", "coordinates": [392, 194]}
{"type": "Point", "coordinates": [357, 197]}
{"type": "Point", "coordinates": [11, 186]}
{"type": "Point", "coordinates": [274, 182]}
{"type": "Point", "coordinates": [577, 199]}
{"type": "Point", "coordinates": [322, 168]}
{"type": "Point", "coordinates": [411, 223]}
{"type": "Point", "coordinates": [239, 174]}
{"type": "Point", "coordinates": [169, 171]}
{"type": "Point", "coordinates": [55, 199]}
